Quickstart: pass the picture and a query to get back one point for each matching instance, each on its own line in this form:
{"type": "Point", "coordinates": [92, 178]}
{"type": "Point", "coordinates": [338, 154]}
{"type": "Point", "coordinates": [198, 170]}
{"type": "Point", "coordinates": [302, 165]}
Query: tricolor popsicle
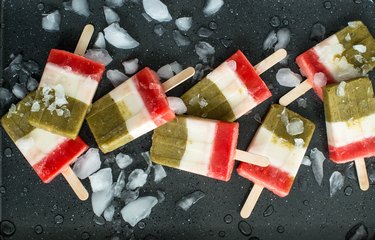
{"type": "Point", "coordinates": [283, 137]}
{"type": "Point", "coordinates": [134, 108]}
{"type": "Point", "coordinates": [347, 54]}
{"type": "Point", "coordinates": [201, 146]}
{"type": "Point", "coordinates": [230, 90]}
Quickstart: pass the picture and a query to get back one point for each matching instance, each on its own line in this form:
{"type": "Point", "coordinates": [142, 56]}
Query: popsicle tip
{"type": "Point", "coordinates": [283, 53]}
{"type": "Point", "coordinates": [244, 214]}
{"type": "Point", "coordinates": [83, 196]}
{"type": "Point", "coordinates": [364, 187]}
{"type": "Point", "coordinates": [89, 27]}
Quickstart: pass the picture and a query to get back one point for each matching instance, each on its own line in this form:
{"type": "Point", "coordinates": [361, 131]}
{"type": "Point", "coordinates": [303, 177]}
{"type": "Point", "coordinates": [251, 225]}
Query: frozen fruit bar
{"type": "Point", "coordinates": [65, 92]}
{"type": "Point", "coordinates": [46, 152]}
{"type": "Point", "coordinates": [137, 106]}
{"type": "Point", "coordinates": [348, 54]}
{"type": "Point", "coordinates": [283, 137]}
{"type": "Point", "coordinates": [196, 145]}
{"type": "Point", "coordinates": [228, 92]}
{"type": "Point", "coordinates": [350, 120]}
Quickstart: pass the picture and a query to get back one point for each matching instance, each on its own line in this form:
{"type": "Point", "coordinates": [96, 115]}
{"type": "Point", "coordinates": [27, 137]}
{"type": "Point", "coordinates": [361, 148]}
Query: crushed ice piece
{"type": "Point", "coordinates": [187, 201]}
{"type": "Point", "coordinates": [176, 67]}
{"type": "Point", "coordinates": [226, 42]}
{"type": "Point", "coordinates": [204, 32]}
{"type": "Point", "coordinates": [257, 118]}
{"type": "Point", "coordinates": [114, 3]}
{"type": "Point", "coordinates": [12, 110]}
{"type": "Point", "coordinates": [336, 182]}
{"type": "Point", "coordinates": [202, 102]}
{"type": "Point", "coordinates": [100, 41]}
{"type": "Point", "coordinates": [184, 23]}
{"type": "Point", "coordinates": [157, 10]}
{"type": "Point", "coordinates": [136, 179]}
{"type": "Point", "coordinates": [87, 164]}
{"type": "Point", "coordinates": [108, 213]}
{"type": "Point", "coordinates": [212, 7]}
{"type": "Point", "coordinates": [110, 15]}
{"type": "Point", "coordinates": [146, 157]}
{"type": "Point", "coordinates": [51, 22]}
{"type": "Point", "coordinates": [68, 5]}
{"type": "Point", "coordinates": [353, 24]}
{"type": "Point", "coordinates": [159, 30]}
{"type": "Point", "coordinates": [5, 96]}
{"type": "Point", "coordinates": [19, 91]}
{"type": "Point", "coordinates": [320, 79]}
{"type": "Point", "coordinates": [317, 160]}
{"type": "Point", "coordinates": [161, 196]}
{"type": "Point", "coordinates": [139, 209]}
{"type": "Point", "coordinates": [180, 39]}
{"type": "Point", "coordinates": [35, 107]}
{"type": "Point", "coordinates": [116, 77]}
{"type": "Point", "coordinates": [99, 55]}
{"type": "Point", "coordinates": [101, 200]}
{"type": "Point", "coordinates": [32, 84]}
{"type": "Point", "coordinates": [101, 180]}
{"type": "Point", "coordinates": [165, 72]}
{"type": "Point", "coordinates": [81, 7]}
{"type": "Point", "coordinates": [147, 17]}
{"type": "Point", "coordinates": [131, 66]}
{"type": "Point", "coordinates": [360, 48]}
{"type": "Point", "coordinates": [32, 66]}
{"type": "Point", "coordinates": [232, 65]}
{"type": "Point", "coordinates": [203, 50]}
{"type": "Point", "coordinates": [177, 105]}
{"type": "Point", "coordinates": [306, 161]}
{"type": "Point", "coordinates": [119, 185]}
{"type": "Point", "coordinates": [341, 89]}
{"type": "Point", "coordinates": [285, 77]}
{"type": "Point", "coordinates": [317, 32]}
{"type": "Point", "coordinates": [129, 196]}
{"type": "Point", "coordinates": [348, 38]}
{"type": "Point", "coordinates": [299, 142]}
{"type": "Point", "coordinates": [359, 58]}
{"type": "Point", "coordinates": [60, 98]}
{"type": "Point", "coordinates": [159, 173]}
{"type": "Point", "coordinates": [295, 127]}
{"type": "Point", "coordinates": [358, 232]}
{"type": "Point", "coordinates": [283, 38]}
{"type": "Point", "coordinates": [119, 37]}
{"type": "Point", "coordinates": [270, 40]}
{"type": "Point", "coordinates": [302, 102]}
{"type": "Point", "coordinates": [123, 160]}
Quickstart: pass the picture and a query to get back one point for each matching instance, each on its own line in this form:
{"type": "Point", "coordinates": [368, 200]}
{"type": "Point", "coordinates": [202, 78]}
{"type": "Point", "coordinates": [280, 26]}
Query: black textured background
{"type": "Point", "coordinates": [307, 213]}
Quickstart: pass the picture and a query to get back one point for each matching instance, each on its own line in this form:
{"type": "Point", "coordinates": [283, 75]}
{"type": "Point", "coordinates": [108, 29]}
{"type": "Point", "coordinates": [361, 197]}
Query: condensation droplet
{"type": "Point", "coordinates": [275, 21]}
{"type": "Point", "coordinates": [285, 22]}
{"type": "Point", "coordinates": [38, 229]}
{"type": "Point", "coordinates": [306, 202]}
{"type": "Point", "coordinates": [280, 229]}
{"type": "Point", "coordinates": [7, 228]}
{"type": "Point", "coordinates": [228, 219]}
{"type": "Point", "coordinates": [348, 191]}
{"type": "Point", "coordinates": [222, 234]}
{"type": "Point", "coordinates": [327, 5]}
{"type": "Point", "coordinates": [2, 189]}
{"type": "Point", "coordinates": [85, 235]}
{"type": "Point", "coordinates": [40, 6]}
{"type": "Point", "coordinates": [98, 220]}
{"type": "Point", "coordinates": [269, 211]}
{"type": "Point", "coordinates": [59, 219]}
{"type": "Point", "coordinates": [8, 152]}
{"type": "Point", "coordinates": [141, 225]}
{"type": "Point", "coordinates": [245, 228]}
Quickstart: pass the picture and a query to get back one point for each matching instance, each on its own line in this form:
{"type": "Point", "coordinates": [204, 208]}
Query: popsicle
{"type": "Point", "coordinates": [350, 120]}
{"type": "Point", "coordinates": [132, 109]}
{"type": "Point", "coordinates": [48, 154]}
{"type": "Point", "coordinates": [347, 54]}
{"type": "Point", "coordinates": [65, 92]}
{"type": "Point", "coordinates": [201, 146]}
{"type": "Point", "coordinates": [232, 89]}
{"type": "Point", "coordinates": [283, 137]}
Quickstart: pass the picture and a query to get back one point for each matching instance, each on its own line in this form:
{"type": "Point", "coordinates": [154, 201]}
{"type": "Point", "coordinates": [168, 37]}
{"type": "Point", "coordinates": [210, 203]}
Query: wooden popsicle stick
{"type": "Point", "coordinates": [251, 158]}
{"type": "Point", "coordinates": [270, 61]}
{"type": "Point", "coordinates": [363, 181]}
{"type": "Point", "coordinates": [75, 184]}
{"type": "Point", "coordinates": [295, 93]}
{"type": "Point", "coordinates": [84, 40]}
{"type": "Point", "coordinates": [251, 200]}
{"type": "Point", "coordinates": [178, 79]}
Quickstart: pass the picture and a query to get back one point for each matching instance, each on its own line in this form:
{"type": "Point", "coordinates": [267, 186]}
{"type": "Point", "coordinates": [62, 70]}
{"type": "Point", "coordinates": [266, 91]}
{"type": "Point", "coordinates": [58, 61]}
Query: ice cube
{"type": "Point", "coordinates": [35, 107]}
{"type": "Point", "coordinates": [139, 209]}
{"type": "Point", "coordinates": [68, 5]}
{"type": "Point", "coordinates": [165, 72]}
{"type": "Point", "coordinates": [19, 91]}
{"type": "Point", "coordinates": [320, 79]}
{"type": "Point", "coordinates": [87, 164]}
{"type": "Point", "coordinates": [299, 142]}
{"type": "Point", "coordinates": [51, 21]}
{"type": "Point", "coordinates": [32, 66]}
{"type": "Point", "coordinates": [360, 48]}
{"type": "Point", "coordinates": [203, 50]}
{"type": "Point", "coordinates": [146, 157]}
{"type": "Point", "coordinates": [302, 102]}
{"type": "Point", "coordinates": [317, 32]}
{"type": "Point", "coordinates": [120, 184]}
{"type": "Point", "coordinates": [283, 38]}
{"type": "Point", "coordinates": [101, 200]}
{"type": "Point", "coordinates": [341, 89]}
{"type": "Point", "coordinates": [202, 102]}
{"type": "Point", "coordinates": [119, 37]}
{"type": "Point", "coordinates": [212, 7]}
{"type": "Point", "coordinates": [81, 7]}
{"type": "Point", "coordinates": [187, 201]}
{"type": "Point", "coordinates": [348, 38]}
{"type": "Point", "coordinates": [317, 160]}
{"type": "Point", "coordinates": [116, 77]}
{"type": "Point", "coordinates": [99, 55]}
{"type": "Point", "coordinates": [108, 213]}
{"type": "Point", "coordinates": [131, 66]}
{"type": "Point", "coordinates": [184, 23]}
{"type": "Point", "coordinates": [114, 3]}
{"type": "Point", "coordinates": [336, 182]}
{"type": "Point", "coordinates": [295, 127]}
{"type": "Point", "coordinates": [177, 105]}
{"type": "Point", "coordinates": [285, 77]}
{"type": "Point", "coordinates": [161, 196]}
{"type": "Point", "coordinates": [100, 41]}
{"type": "Point", "coordinates": [147, 17]}
{"type": "Point", "coordinates": [60, 98]}
{"type": "Point", "coordinates": [136, 179]}
{"type": "Point", "coordinates": [123, 160]}
{"type": "Point", "coordinates": [204, 32]}
{"type": "Point", "coordinates": [110, 15]}
{"type": "Point", "coordinates": [101, 180]}
{"type": "Point", "coordinates": [358, 232]}
{"type": "Point", "coordinates": [176, 67]}
{"type": "Point", "coordinates": [180, 39]}
{"type": "Point", "coordinates": [157, 10]}
{"type": "Point", "coordinates": [12, 110]}
{"type": "Point", "coordinates": [32, 84]}
{"type": "Point", "coordinates": [306, 161]}
{"type": "Point", "coordinates": [270, 40]}
{"type": "Point", "coordinates": [159, 30]}
{"type": "Point", "coordinates": [5, 96]}
{"type": "Point", "coordinates": [129, 196]}
{"type": "Point", "coordinates": [159, 173]}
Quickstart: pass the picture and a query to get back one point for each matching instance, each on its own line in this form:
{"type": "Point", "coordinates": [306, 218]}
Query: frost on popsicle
{"type": "Point", "coordinates": [186, 202]}
{"type": "Point", "coordinates": [157, 10]}
{"type": "Point", "coordinates": [336, 182]}
{"type": "Point", "coordinates": [54, 99]}
{"type": "Point", "coordinates": [341, 89]}
{"type": "Point", "coordinates": [139, 209]}
{"type": "Point", "coordinates": [119, 37]}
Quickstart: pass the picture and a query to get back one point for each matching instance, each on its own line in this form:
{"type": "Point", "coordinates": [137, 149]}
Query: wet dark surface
{"type": "Point", "coordinates": [33, 210]}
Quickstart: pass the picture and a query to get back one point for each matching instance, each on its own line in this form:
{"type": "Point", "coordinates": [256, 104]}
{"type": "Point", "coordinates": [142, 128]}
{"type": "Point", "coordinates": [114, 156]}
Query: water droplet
{"type": "Point", "coordinates": [348, 191]}
{"type": "Point", "coordinates": [211, 233]}
{"type": "Point", "coordinates": [327, 5]}
{"type": "Point", "coordinates": [245, 228]}
{"type": "Point", "coordinates": [25, 189]}
{"type": "Point", "coordinates": [2, 189]}
{"type": "Point", "coordinates": [268, 212]}
{"type": "Point", "coordinates": [141, 225]}
{"type": "Point", "coordinates": [98, 220]}
{"type": "Point", "coordinates": [226, 42]}
{"type": "Point", "coordinates": [7, 228]}
{"type": "Point", "coordinates": [54, 207]}
{"type": "Point", "coordinates": [253, 238]}
{"type": "Point", "coordinates": [306, 202]}
{"type": "Point", "coordinates": [285, 22]}
{"type": "Point", "coordinates": [280, 229]}
{"type": "Point", "coordinates": [40, 6]}
{"type": "Point", "coordinates": [38, 229]}
{"type": "Point", "coordinates": [85, 236]}
{"type": "Point", "coordinates": [59, 219]}
{"type": "Point", "coordinates": [357, 1]}
{"type": "Point", "coordinates": [7, 152]}
{"type": "Point", "coordinates": [228, 219]}
{"type": "Point", "coordinates": [222, 234]}
{"type": "Point", "coordinates": [212, 25]}
{"type": "Point", "coordinates": [275, 21]}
